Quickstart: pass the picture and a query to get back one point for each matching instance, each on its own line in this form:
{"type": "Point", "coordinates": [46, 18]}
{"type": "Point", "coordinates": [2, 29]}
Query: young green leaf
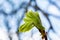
{"type": "Point", "coordinates": [31, 19]}
{"type": "Point", "coordinates": [25, 27]}
{"type": "Point", "coordinates": [27, 20]}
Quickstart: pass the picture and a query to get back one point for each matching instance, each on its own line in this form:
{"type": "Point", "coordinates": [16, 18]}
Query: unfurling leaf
{"type": "Point", "coordinates": [25, 27]}
{"type": "Point", "coordinates": [31, 19]}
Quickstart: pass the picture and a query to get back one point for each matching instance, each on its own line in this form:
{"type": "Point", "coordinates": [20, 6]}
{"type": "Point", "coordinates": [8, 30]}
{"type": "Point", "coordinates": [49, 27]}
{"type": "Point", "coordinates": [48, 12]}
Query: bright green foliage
{"type": "Point", "coordinates": [26, 27]}
{"type": "Point", "coordinates": [31, 19]}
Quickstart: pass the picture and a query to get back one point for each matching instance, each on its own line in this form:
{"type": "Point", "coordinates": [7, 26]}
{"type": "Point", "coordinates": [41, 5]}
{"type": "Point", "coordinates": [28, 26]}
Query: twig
{"type": "Point", "coordinates": [45, 34]}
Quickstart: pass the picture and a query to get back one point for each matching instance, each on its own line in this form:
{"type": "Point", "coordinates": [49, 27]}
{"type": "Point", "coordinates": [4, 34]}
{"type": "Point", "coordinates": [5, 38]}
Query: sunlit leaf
{"type": "Point", "coordinates": [25, 27]}
{"type": "Point", "coordinates": [27, 20]}
{"type": "Point", "coordinates": [31, 19]}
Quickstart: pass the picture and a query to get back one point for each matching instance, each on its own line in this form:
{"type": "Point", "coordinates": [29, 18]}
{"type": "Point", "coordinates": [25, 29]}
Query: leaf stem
{"type": "Point", "coordinates": [43, 33]}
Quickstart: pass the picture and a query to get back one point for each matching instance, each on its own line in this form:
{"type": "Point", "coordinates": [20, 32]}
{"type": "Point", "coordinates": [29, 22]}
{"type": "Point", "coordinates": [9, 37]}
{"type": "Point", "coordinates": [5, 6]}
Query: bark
{"type": "Point", "coordinates": [44, 34]}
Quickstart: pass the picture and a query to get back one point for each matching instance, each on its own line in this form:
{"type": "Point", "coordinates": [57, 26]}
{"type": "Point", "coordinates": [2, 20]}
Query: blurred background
{"type": "Point", "coordinates": [12, 12]}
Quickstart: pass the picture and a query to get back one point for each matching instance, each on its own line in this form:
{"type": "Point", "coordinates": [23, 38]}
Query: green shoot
{"type": "Point", "coordinates": [31, 20]}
